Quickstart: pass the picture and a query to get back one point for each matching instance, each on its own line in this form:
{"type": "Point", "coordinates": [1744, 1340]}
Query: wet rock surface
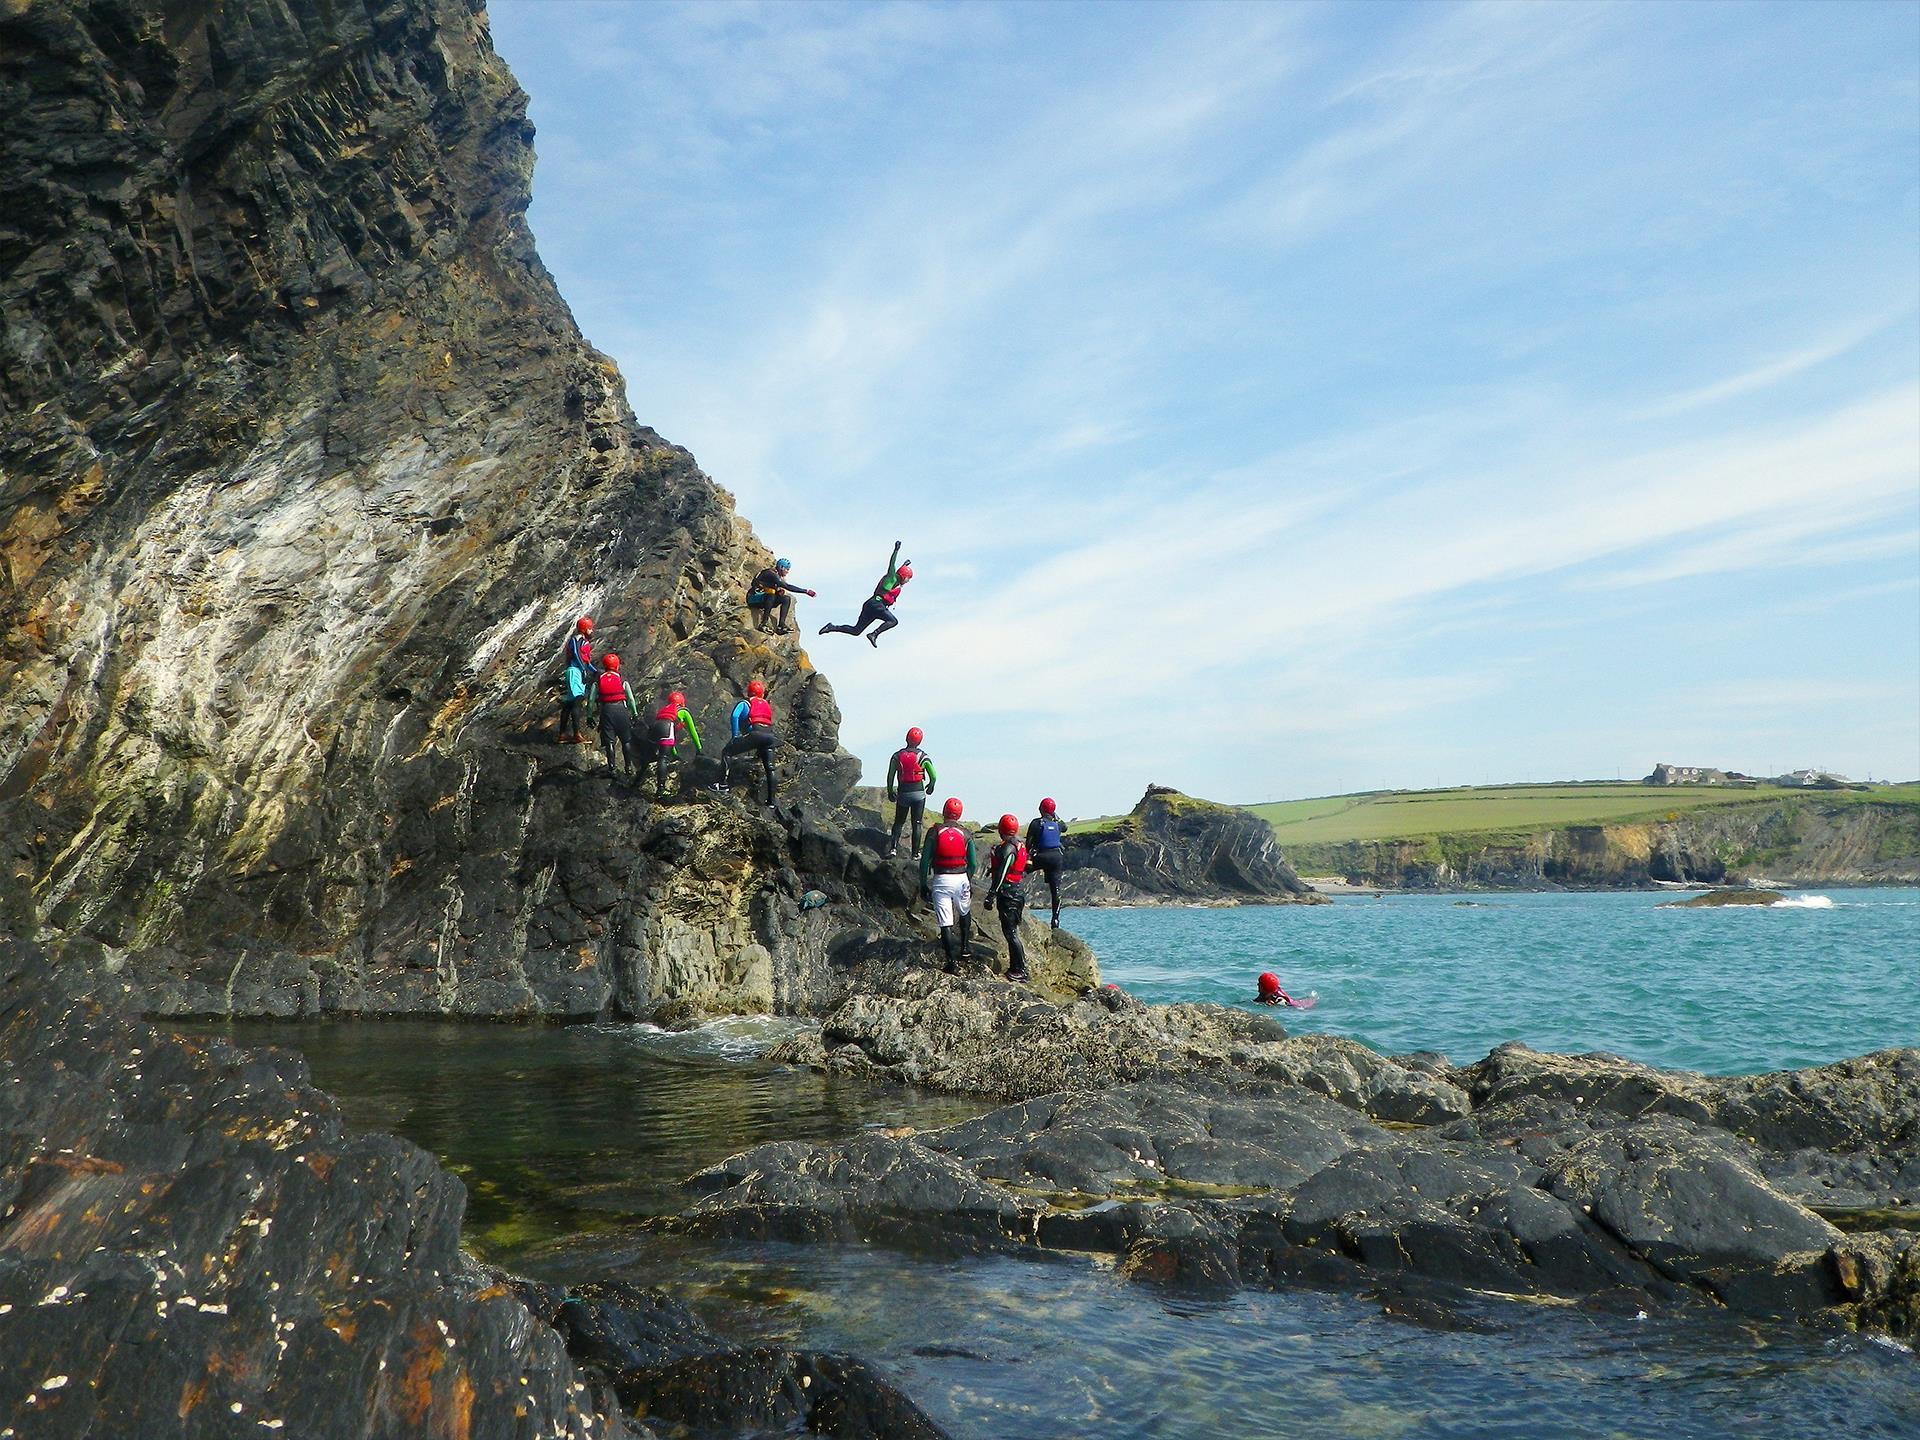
{"type": "Point", "coordinates": [305, 472]}
{"type": "Point", "coordinates": [1203, 1148]}
{"type": "Point", "coordinates": [1172, 849]}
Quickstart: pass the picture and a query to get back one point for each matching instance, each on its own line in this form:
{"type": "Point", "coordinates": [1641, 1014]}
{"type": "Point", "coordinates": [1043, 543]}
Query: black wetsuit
{"type": "Point", "coordinates": [616, 723]}
{"type": "Point", "coordinates": [879, 605]}
{"type": "Point", "coordinates": [909, 797]}
{"type": "Point", "coordinates": [571, 658]}
{"type": "Point", "coordinates": [1047, 858]}
{"type": "Point", "coordinates": [1009, 901]}
{"type": "Point", "coordinates": [771, 593]}
{"type": "Point", "coordinates": [754, 737]}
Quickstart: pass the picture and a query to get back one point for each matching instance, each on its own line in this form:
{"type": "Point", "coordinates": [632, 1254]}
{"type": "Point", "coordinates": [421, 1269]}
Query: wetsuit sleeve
{"type": "Point", "coordinates": [796, 589]}
{"type": "Point", "coordinates": [892, 577]}
{"type": "Point", "coordinates": [926, 855]}
{"type": "Point", "coordinates": [739, 719]}
{"type": "Point", "coordinates": [933, 777]}
{"type": "Point", "coordinates": [686, 719]}
{"type": "Point", "coordinates": [971, 857]}
{"type": "Point", "coordinates": [893, 774]}
{"type": "Point", "coordinates": [1002, 862]}
{"type": "Point", "coordinates": [633, 706]}
{"type": "Point", "coordinates": [1033, 833]}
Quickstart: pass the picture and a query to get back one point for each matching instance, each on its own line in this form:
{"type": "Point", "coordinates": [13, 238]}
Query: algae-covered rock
{"type": "Point", "coordinates": [1173, 849]}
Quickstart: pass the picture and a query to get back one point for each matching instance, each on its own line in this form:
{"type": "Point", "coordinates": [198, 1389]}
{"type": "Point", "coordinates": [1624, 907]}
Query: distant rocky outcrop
{"type": "Point", "coordinates": [305, 472]}
{"type": "Point", "coordinates": [1713, 899]}
{"type": "Point", "coordinates": [1172, 849]}
{"type": "Point", "coordinates": [1202, 1147]}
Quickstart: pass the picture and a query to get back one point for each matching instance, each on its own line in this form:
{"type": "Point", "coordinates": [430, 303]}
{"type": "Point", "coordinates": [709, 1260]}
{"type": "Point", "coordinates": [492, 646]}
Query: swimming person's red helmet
{"type": "Point", "coordinates": [1009, 826]}
{"type": "Point", "coordinates": [584, 624]}
{"type": "Point", "coordinates": [755, 689]}
{"type": "Point", "coordinates": [1047, 807]}
{"type": "Point", "coordinates": [1269, 986]}
{"type": "Point", "coordinates": [952, 808]}
{"type": "Point", "coordinates": [915, 735]}
{"type": "Point", "coordinates": [610, 660]}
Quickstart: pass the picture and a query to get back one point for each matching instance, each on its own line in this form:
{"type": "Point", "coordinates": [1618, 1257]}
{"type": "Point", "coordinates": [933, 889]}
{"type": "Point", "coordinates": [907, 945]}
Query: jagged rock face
{"type": "Point", "coordinates": [1173, 849]}
{"type": "Point", "coordinates": [305, 472]}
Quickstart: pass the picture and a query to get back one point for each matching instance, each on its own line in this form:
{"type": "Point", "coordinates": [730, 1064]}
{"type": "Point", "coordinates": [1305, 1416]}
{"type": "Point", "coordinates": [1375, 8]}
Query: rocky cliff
{"type": "Point", "coordinates": [1811, 840]}
{"type": "Point", "coordinates": [1174, 850]}
{"type": "Point", "coordinates": [305, 472]}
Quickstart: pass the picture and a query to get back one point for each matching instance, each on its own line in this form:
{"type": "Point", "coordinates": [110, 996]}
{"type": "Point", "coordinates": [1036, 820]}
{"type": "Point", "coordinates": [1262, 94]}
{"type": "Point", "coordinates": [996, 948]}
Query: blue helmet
{"type": "Point", "coordinates": [783, 564]}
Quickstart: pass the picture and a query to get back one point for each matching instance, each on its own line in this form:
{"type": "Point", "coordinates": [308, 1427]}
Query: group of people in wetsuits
{"type": "Point", "coordinates": [947, 857]}
{"type": "Point", "coordinates": [670, 731]}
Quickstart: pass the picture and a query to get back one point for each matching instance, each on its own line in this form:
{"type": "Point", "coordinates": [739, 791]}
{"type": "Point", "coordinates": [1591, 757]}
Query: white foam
{"type": "Point", "coordinates": [1802, 902]}
{"type": "Point", "coordinates": [732, 1037]}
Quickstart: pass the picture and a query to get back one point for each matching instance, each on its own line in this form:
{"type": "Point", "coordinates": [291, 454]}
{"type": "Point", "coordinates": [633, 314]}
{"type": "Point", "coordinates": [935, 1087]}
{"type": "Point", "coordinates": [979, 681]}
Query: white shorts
{"type": "Point", "coordinates": [952, 897]}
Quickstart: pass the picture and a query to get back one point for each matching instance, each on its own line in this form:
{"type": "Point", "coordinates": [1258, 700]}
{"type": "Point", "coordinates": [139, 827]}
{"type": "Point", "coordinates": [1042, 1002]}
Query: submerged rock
{"type": "Point", "coordinates": [1173, 849]}
{"type": "Point", "coordinates": [1713, 898]}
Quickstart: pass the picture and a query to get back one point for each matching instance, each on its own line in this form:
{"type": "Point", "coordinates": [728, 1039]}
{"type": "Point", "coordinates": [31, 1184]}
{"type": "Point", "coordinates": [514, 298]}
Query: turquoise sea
{"type": "Point", "coordinates": [1725, 990]}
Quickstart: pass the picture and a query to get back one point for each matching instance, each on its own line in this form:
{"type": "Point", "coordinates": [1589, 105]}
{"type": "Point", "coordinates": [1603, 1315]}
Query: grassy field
{"type": "Point", "coordinates": [1406, 814]}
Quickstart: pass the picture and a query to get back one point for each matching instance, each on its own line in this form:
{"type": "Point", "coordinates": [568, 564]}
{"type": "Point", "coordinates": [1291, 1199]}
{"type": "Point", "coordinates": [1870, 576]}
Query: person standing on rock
{"type": "Point", "coordinates": [879, 605]}
{"type": "Point", "coordinates": [669, 721]}
{"type": "Point", "coordinates": [1046, 842]}
{"type": "Point", "coordinates": [910, 780]}
{"type": "Point", "coordinates": [1007, 894]}
{"type": "Point", "coordinates": [770, 597]}
{"type": "Point", "coordinates": [752, 730]}
{"type": "Point", "coordinates": [617, 713]}
{"type": "Point", "coordinates": [580, 673]}
{"type": "Point", "coordinates": [946, 874]}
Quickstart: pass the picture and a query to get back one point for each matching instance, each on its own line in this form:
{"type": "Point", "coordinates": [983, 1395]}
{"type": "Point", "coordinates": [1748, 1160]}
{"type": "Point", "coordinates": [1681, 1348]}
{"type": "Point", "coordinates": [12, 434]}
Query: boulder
{"type": "Point", "coordinates": [1172, 849]}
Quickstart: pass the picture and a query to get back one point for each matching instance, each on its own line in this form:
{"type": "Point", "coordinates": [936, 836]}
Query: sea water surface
{"type": "Point", "coordinates": [570, 1138]}
{"type": "Point", "coordinates": [1726, 990]}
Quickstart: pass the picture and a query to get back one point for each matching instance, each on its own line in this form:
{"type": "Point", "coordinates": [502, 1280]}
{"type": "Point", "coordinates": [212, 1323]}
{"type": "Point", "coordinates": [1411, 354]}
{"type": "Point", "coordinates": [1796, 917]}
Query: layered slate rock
{"type": "Point", "coordinates": [1204, 1148]}
{"type": "Point", "coordinates": [305, 472]}
{"type": "Point", "coordinates": [1173, 849]}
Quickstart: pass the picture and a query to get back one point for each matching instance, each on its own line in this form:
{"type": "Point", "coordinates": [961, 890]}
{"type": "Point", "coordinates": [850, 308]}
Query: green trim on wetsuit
{"type": "Point", "coordinates": [926, 853]}
{"type": "Point", "coordinates": [685, 718]}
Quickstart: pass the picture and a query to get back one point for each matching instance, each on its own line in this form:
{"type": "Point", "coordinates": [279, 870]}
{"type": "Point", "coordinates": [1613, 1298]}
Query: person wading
{"type": "Point", "coordinates": [910, 780]}
{"type": "Point", "coordinates": [770, 597]}
{"type": "Point", "coordinates": [752, 730]}
{"type": "Point", "coordinates": [617, 713]}
{"type": "Point", "coordinates": [1046, 843]}
{"type": "Point", "coordinates": [1006, 892]}
{"type": "Point", "coordinates": [946, 874]}
{"type": "Point", "coordinates": [669, 721]}
{"type": "Point", "coordinates": [879, 605]}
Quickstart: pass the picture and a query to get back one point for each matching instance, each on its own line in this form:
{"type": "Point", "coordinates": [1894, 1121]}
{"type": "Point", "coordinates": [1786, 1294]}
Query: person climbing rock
{"type": "Point", "coordinates": [879, 605]}
{"type": "Point", "coordinates": [946, 874]}
{"type": "Point", "coordinates": [1046, 843]}
{"type": "Point", "coordinates": [579, 673]}
{"type": "Point", "coordinates": [669, 722]}
{"type": "Point", "coordinates": [1007, 894]}
{"type": "Point", "coordinates": [910, 780]}
{"type": "Point", "coordinates": [770, 597]}
{"type": "Point", "coordinates": [752, 730]}
{"type": "Point", "coordinates": [617, 713]}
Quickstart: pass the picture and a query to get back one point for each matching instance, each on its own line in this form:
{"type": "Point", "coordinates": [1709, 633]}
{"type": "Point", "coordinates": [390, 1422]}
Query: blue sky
{"type": "Point", "coordinates": [1279, 399]}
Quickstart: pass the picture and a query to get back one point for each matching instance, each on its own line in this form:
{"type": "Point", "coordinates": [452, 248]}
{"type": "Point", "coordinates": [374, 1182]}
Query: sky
{"type": "Point", "coordinates": [1282, 400]}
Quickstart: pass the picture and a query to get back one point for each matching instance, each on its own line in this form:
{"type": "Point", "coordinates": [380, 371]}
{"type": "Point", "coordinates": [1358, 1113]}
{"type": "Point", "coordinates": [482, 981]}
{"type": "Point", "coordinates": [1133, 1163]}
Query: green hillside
{"type": "Point", "coordinates": [1406, 814]}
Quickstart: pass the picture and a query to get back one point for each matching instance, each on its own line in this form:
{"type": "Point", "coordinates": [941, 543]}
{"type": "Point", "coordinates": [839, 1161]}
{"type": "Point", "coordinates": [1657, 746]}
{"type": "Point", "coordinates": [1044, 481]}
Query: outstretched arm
{"type": "Point", "coordinates": [686, 719]}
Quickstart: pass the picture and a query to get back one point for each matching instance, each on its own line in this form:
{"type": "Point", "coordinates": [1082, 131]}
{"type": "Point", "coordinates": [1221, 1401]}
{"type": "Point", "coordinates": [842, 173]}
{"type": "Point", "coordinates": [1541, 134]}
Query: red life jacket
{"type": "Point", "coordinates": [759, 712]}
{"type": "Point", "coordinates": [1017, 869]}
{"type": "Point", "coordinates": [887, 597]}
{"type": "Point", "coordinates": [613, 690]}
{"type": "Point", "coordinates": [949, 849]}
{"type": "Point", "coordinates": [912, 772]}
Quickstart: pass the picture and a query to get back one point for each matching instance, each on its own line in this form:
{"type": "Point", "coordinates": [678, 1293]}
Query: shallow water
{"type": "Point", "coordinates": [1725, 990]}
{"type": "Point", "coordinates": [567, 1138]}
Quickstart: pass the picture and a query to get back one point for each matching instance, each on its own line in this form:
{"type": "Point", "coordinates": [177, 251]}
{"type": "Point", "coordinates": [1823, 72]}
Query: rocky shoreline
{"type": "Point", "coordinates": [1172, 849]}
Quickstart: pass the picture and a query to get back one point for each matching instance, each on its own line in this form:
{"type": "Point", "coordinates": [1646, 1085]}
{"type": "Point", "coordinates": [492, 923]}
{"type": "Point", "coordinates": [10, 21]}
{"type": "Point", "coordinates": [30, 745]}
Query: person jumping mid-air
{"type": "Point", "coordinates": [1007, 894]}
{"type": "Point", "coordinates": [752, 730]}
{"type": "Point", "coordinates": [770, 597]}
{"type": "Point", "coordinates": [668, 723]}
{"type": "Point", "coordinates": [617, 712]}
{"type": "Point", "coordinates": [879, 605]}
{"type": "Point", "coordinates": [1046, 841]}
{"type": "Point", "coordinates": [946, 874]}
{"type": "Point", "coordinates": [910, 779]}
{"type": "Point", "coordinates": [580, 672]}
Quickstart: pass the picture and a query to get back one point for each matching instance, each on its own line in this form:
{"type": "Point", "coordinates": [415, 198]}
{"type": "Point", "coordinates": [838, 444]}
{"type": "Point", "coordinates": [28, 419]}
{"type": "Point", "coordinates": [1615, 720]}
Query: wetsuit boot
{"type": "Point", "coordinates": [966, 935]}
{"type": "Point", "coordinates": [946, 944]}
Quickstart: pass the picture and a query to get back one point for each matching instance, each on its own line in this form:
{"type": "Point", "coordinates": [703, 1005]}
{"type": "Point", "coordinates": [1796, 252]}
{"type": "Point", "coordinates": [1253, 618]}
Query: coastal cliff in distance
{"type": "Point", "coordinates": [1868, 838]}
{"type": "Point", "coordinates": [1172, 849]}
{"type": "Point", "coordinates": [305, 473]}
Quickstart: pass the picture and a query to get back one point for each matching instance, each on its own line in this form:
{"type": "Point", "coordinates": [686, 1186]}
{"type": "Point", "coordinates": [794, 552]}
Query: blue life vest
{"type": "Point", "coordinates": [1049, 834]}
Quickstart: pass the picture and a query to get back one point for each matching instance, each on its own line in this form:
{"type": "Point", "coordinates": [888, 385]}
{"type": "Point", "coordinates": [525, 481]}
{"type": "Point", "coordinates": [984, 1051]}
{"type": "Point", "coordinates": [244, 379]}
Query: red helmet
{"type": "Point", "coordinates": [915, 735]}
{"type": "Point", "coordinates": [584, 625]}
{"type": "Point", "coordinates": [952, 808]}
{"type": "Point", "coordinates": [610, 660]}
{"type": "Point", "coordinates": [1047, 807]}
{"type": "Point", "coordinates": [676, 698]}
{"type": "Point", "coordinates": [906, 572]}
{"type": "Point", "coordinates": [756, 689]}
{"type": "Point", "coordinates": [1269, 984]}
{"type": "Point", "coordinates": [1009, 826]}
